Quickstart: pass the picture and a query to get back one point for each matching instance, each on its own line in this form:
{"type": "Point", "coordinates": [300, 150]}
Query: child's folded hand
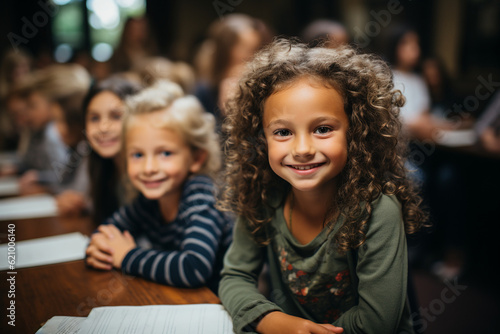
{"type": "Point", "coordinates": [99, 253]}
{"type": "Point", "coordinates": [120, 243]}
{"type": "Point", "coordinates": [279, 322]}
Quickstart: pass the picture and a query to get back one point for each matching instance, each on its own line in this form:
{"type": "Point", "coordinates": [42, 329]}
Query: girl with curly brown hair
{"type": "Point", "coordinates": [315, 172]}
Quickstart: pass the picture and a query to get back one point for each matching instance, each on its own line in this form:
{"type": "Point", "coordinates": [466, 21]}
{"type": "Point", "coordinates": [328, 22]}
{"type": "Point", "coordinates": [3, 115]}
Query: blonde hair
{"type": "Point", "coordinates": [154, 69]}
{"type": "Point", "coordinates": [59, 81]}
{"type": "Point", "coordinates": [183, 114]}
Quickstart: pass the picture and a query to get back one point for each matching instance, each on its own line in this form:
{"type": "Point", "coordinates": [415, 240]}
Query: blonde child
{"type": "Point", "coordinates": [316, 175]}
{"type": "Point", "coordinates": [171, 150]}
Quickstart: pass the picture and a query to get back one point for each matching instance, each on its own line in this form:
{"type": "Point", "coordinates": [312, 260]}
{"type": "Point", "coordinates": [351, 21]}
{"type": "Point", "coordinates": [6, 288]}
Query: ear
{"type": "Point", "coordinates": [199, 158]}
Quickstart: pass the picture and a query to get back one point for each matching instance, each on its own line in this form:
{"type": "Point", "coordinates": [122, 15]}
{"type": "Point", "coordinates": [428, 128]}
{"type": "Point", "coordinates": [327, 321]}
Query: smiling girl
{"type": "Point", "coordinates": [103, 111]}
{"type": "Point", "coordinates": [316, 174]}
{"type": "Point", "coordinates": [171, 152]}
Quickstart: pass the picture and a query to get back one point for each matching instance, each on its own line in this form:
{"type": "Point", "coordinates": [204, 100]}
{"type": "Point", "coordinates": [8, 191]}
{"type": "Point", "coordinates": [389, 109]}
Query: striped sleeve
{"type": "Point", "coordinates": [192, 264]}
{"type": "Point", "coordinates": [130, 217]}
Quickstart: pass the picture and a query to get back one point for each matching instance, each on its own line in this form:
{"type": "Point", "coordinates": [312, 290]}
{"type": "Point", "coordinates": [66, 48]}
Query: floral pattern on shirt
{"type": "Point", "coordinates": [319, 293]}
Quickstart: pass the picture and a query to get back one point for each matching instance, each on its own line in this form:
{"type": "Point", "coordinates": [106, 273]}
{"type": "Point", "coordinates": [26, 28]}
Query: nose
{"type": "Point", "coordinates": [303, 146]}
{"type": "Point", "coordinates": [150, 165]}
{"type": "Point", "coordinates": [104, 125]}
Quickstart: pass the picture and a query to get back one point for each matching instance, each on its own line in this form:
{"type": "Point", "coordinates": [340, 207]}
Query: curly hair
{"type": "Point", "coordinates": [376, 147]}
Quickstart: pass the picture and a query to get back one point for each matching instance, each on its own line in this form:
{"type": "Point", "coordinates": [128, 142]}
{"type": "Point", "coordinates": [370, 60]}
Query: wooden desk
{"type": "Point", "coordinates": [72, 289]}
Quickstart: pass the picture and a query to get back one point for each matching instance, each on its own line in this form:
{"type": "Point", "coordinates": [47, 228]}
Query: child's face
{"type": "Point", "coordinates": [305, 127]}
{"type": "Point", "coordinates": [158, 159]}
{"type": "Point", "coordinates": [39, 111]}
{"type": "Point", "coordinates": [248, 43]}
{"type": "Point", "coordinates": [408, 50]}
{"type": "Point", "coordinates": [18, 111]}
{"type": "Point", "coordinates": [103, 124]}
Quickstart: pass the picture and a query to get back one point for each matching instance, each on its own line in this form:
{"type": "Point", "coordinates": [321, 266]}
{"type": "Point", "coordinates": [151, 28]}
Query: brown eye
{"type": "Point", "coordinates": [282, 133]}
{"type": "Point", "coordinates": [323, 130]}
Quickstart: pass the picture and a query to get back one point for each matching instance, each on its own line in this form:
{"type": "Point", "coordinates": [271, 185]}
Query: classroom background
{"type": "Point", "coordinates": [453, 263]}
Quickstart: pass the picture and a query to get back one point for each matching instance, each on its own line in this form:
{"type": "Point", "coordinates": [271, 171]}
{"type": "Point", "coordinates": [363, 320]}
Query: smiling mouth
{"type": "Point", "coordinates": [153, 184]}
{"type": "Point", "coordinates": [305, 167]}
{"type": "Point", "coordinates": [107, 142]}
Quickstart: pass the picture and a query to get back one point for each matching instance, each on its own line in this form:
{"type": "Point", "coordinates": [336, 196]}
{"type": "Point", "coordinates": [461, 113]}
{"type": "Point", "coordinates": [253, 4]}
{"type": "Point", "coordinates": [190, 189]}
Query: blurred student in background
{"type": "Point", "coordinates": [72, 186]}
{"type": "Point", "coordinates": [404, 54]}
{"type": "Point", "coordinates": [55, 157]}
{"type": "Point", "coordinates": [172, 155]}
{"type": "Point", "coordinates": [231, 42]}
{"type": "Point", "coordinates": [329, 33]}
{"type": "Point", "coordinates": [16, 110]}
{"type": "Point", "coordinates": [103, 116]}
{"type": "Point", "coordinates": [14, 68]}
{"type": "Point", "coordinates": [154, 69]}
{"type": "Point", "coordinates": [424, 116]}
{"type": "Point", "coordinates": [137, 43]}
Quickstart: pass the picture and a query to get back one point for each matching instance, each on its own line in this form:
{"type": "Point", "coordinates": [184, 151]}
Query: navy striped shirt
{"type": "Point", "coordinates": [187, 252]}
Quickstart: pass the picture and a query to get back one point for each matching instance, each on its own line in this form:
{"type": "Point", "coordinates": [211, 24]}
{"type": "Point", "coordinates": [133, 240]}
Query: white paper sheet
{"type": "Point", "coordinates": [42, 251]}
{"type": "Point", "coordinates": [35, 206]}
{"type": "Point", "coordinates": [8, 158]}
{"type": "Point", "coordinates": [62, 325]}
{"type": "Point", "coordinates": [9, 186]}
{"type": "Point", "coordinates": [456, 138]}
{"type": "Point", "coordinates": [171, 319]}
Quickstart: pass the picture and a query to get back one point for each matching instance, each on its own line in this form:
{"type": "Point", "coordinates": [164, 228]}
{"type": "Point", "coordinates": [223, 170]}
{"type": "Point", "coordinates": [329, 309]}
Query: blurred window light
{"type": "Point", "coordinates": [107, 11]}
{"type": "Point", "coordinates": [105, 20]}
{"type": "Point", "coordinates": [63, 53]}
{"type": "Point", "coordinates": [95, 21]}
{"type": "Point", "coordinates": [102, 52]}
{"type": "Point", "coordinates": [131, 4]}
{"type": "Point", "coordinates": [61, 2]}
{"type": "Point", "coordinates": [68, 24]}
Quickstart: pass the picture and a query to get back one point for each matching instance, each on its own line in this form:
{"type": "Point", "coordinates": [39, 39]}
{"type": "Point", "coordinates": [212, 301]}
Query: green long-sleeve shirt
{"type": "Point", "coordinates": [313, 281]}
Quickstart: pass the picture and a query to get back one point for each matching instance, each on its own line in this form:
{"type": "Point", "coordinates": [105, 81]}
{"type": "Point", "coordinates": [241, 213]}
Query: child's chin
{"type": "Point", "coordinates": [151, 195]}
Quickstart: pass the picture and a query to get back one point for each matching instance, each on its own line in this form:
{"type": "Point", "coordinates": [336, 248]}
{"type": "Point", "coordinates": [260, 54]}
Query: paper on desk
{"type": "Point", "coordinates": [62, 325]}
{"type": "Point", "coordinates": [9, 186]}
{"type": "Point", "coordinates": [172, 319]}
{"type": "Point", "coordinates": [25, 207]}
{"type": "Point", "coordinates": [456, 138]}
{"type": "Point", "coordinates": [42, 251]}
{"type": "Point", "coordinates": [9, 158]}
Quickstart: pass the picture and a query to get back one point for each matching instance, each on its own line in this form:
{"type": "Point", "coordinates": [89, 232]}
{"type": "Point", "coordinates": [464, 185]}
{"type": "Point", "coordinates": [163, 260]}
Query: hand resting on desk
{"type": "Point", "coordinates": [28, 184]}
{"type": "Point", "coordinates": [279, 322]}
{"type": "Point", "coordinates": [108, 247]}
